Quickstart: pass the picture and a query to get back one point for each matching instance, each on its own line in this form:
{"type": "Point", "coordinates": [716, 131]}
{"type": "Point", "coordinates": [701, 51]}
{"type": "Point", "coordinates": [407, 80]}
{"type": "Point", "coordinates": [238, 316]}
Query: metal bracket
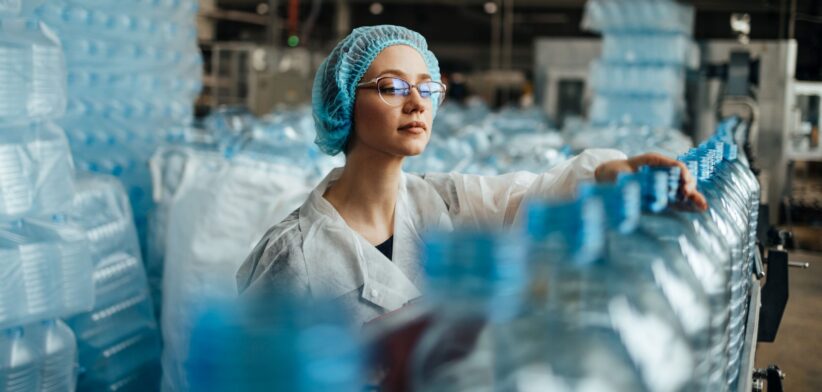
{"type": "Point", "coordinates": [759, 268]}
{"type": "Point", "coordinates": [773, 375]}
{"type": "Point", "coordinates": [774, 295]}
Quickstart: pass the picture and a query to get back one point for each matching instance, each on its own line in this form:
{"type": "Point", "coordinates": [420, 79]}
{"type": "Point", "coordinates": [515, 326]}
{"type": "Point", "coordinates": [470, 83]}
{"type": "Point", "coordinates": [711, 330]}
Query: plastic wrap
{"type": "Point", "coordinates": [36, 170]}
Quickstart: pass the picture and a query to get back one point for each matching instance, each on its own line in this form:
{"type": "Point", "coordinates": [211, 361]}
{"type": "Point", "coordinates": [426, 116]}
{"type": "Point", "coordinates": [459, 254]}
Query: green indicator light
{"type": "Point", "coordinates": [293, 41]}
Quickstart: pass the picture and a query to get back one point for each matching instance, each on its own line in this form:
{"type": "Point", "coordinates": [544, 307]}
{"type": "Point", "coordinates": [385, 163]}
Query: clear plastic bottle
{"type": "Point", "coordinates": [32, 72]}
{"type": "Point", "coordinates": [694, 236]}
{"type": "Point", "coordinates": [58, 370]}
{"type": "Point", "coordinates": [657, 270]}
{"type": "Point", "coordinates": [580, 310]}
{"type": "Point", "coordinates": [19, 362]}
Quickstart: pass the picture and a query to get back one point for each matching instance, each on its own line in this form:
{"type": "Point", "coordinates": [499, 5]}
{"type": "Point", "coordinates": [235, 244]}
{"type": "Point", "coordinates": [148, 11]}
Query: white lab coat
{"type": "Point", "coordinates": [313, 251]}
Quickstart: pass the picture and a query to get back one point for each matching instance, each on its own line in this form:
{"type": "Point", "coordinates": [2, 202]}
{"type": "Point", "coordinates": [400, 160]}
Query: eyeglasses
{"type": "Point", "coordinates": [394, 90]}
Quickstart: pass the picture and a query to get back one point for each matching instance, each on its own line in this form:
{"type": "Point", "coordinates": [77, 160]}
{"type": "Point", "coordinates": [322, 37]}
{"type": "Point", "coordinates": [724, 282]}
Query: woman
{"type": "Point", "coordinates": [356, 237]}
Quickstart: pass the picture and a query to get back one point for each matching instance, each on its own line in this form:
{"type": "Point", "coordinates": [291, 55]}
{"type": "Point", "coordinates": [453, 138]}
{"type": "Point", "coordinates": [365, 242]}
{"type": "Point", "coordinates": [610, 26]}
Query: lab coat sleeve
{"type": "Point", "coordinates": [477, 201]}
{"type": "Point", "coordinates": [276, 264]}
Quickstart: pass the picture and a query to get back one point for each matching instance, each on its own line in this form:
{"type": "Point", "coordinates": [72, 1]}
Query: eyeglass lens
{"type": "Point", "coordinates": [394, 90]}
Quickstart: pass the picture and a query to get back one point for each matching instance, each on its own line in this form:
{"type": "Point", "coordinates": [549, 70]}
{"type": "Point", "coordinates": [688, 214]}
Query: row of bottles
{"type": "Point", "coordinates": [640, 78]}
{"type": "Point", "coordinates": [67, 243]}
{"type": "Point", "coordinates": [133, 71]}
{"type": "Point", "coordinates": [621, 288]}
{"type": "Point", "coordinates": [45, 267]}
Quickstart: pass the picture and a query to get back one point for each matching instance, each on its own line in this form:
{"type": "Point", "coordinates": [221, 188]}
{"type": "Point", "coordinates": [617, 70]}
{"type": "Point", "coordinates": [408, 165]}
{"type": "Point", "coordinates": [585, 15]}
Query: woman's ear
{"type": "Point", "coordinates": [349, 141]}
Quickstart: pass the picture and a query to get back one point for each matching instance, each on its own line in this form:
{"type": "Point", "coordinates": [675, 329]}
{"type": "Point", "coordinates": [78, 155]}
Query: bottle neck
{"type": "Point", "coordinates": [654, 183]}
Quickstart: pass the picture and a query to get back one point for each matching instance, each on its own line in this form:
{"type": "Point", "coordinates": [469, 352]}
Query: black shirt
{"type": "Point", "coordinates": [387, 247]}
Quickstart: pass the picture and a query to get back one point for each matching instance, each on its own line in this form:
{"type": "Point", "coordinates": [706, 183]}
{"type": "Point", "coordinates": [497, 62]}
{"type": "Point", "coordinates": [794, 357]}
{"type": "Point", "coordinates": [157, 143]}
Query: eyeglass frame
{"type": "Point", "coordinates": [374, 83]}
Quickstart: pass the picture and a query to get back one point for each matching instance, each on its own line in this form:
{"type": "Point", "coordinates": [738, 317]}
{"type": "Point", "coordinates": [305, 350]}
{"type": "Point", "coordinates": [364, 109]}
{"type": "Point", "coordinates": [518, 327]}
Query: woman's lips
{"type": "Point", "coordinates": [414, 130]}
{"type": "Point", "coordinates": [415, 127]}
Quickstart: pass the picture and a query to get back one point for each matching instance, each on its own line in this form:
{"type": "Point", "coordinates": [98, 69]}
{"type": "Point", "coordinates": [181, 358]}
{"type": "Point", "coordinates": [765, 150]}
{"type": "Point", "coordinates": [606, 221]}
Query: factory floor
{"type": "Point", "coordinates": [797, 349]}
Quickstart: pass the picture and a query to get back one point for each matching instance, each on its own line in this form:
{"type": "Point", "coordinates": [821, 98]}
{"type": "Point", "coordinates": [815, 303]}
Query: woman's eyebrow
{"type": "Point", "coordinates": [403, 74]}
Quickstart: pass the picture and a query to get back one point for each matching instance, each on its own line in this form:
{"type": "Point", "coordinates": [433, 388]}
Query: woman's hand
{"type": "Point", "coordinates": [608, 172]}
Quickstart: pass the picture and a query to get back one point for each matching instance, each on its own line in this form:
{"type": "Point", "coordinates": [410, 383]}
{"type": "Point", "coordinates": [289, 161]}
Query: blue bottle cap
{"type": "Point", "coordinates": [654, 186]}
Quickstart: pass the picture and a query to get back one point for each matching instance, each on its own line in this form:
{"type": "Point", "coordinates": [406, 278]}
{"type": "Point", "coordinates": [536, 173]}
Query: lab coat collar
{"type": "Point", "coordinates": [339, 260]}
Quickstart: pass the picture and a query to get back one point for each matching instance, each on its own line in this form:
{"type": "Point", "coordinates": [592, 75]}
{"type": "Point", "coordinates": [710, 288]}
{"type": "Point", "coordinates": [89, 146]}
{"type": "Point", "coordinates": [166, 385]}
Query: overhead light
{"type": "Point", "coordinates": [490, 7]}
{"type": "Point", "coordinates": [741, 25]}
{"type": "Point", "coordinates": [376, 8]}
{"type": "Point", "coordinates": [262, 8]}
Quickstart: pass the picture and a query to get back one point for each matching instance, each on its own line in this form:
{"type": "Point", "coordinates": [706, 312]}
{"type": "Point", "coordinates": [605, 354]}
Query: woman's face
{"type": "Point", "coordinates": [388, 129]}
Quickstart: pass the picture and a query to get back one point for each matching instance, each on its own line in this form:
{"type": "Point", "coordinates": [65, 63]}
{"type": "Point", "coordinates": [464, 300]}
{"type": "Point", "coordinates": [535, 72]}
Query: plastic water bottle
{"type": "Point", "coordinates": [32, 72]}
{"type": "Point", "coordinates": [699, 241]}
{"type": "Point", "coordinates": [477, 284]}
{"type": "Point", "coordinates": [59, 356]}
{"type": "Point", "coordinates": [19, 362]}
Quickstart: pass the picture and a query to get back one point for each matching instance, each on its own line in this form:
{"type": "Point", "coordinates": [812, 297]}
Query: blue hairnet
{"type": "Point", "coordinates": [336, 81]}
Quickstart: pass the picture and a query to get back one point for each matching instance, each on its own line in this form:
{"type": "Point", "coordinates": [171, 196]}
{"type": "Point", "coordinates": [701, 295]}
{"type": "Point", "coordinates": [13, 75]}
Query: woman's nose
{"type": "Point", "coordinates": [414, 102]}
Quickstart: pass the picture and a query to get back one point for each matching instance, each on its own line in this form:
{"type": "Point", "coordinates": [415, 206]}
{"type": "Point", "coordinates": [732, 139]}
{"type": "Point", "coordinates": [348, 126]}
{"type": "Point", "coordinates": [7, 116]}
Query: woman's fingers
{"type": "Point", "coordinates": [687, 180]}
{"type": "Point", "coordinates": [654, 159]}
{"type": "Point", "coordinates": [696, 199]}
{"type": "Point", "coordinates": [608, 171]}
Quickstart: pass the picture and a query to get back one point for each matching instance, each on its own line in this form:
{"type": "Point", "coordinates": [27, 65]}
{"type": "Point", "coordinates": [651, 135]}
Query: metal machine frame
{"type": "Point", "coordinates": [260, 77]}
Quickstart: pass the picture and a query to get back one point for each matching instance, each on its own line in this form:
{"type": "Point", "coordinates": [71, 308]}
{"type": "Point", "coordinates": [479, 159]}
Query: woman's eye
{"type": "Point", "coordinates": [393, 90]}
